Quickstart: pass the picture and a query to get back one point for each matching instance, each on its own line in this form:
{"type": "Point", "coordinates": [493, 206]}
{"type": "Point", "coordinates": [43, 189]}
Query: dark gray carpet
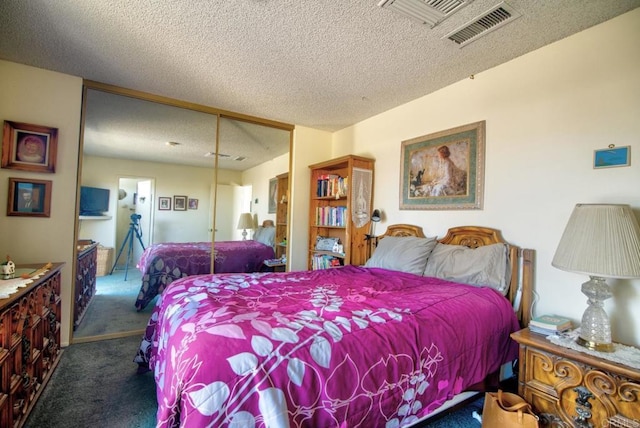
{"type": "Point", "coordinates": [112, 309]}
{"type": "Point", "coordinates": [461, 418]}
{"type": "Point", "coordinates": [96, 385]}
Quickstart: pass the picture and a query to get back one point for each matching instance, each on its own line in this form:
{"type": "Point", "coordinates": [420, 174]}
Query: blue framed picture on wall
{"type": "Point", "coordinates": [612, 157]}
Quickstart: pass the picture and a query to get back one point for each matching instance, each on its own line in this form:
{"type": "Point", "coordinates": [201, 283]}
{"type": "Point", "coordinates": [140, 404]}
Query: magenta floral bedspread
{"type": "Point", "coordinates": [161, 264]}
{"type": "Point", "coordinates": [350, 347]}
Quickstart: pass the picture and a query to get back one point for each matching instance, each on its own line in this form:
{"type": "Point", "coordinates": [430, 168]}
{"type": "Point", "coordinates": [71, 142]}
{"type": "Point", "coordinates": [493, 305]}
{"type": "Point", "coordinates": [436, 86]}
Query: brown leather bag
{"type": "Point", "coordinates": [506, 410]}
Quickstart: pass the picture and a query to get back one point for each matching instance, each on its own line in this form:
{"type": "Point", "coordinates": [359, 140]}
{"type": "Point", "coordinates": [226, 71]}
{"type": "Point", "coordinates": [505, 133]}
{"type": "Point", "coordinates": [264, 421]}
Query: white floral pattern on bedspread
{"type": "Point", "coordinates": [352, 347]}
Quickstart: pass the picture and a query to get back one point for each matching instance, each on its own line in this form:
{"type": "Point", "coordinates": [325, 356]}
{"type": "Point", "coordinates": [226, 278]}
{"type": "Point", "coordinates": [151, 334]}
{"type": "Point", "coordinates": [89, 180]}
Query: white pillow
{"type": "Point", "coordinates": [405, 254]}
{"type": "Point", "coordinates": [487, 265]}
{"type": "Point", "coordinates": [265, 235]}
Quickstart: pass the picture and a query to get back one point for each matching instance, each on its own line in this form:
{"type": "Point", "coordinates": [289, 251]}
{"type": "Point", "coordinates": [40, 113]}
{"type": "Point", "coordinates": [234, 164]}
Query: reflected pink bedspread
{"type": "Point", "coordinates": [352, 347]}
{"type": "Point", "coordinates": [161, 264]}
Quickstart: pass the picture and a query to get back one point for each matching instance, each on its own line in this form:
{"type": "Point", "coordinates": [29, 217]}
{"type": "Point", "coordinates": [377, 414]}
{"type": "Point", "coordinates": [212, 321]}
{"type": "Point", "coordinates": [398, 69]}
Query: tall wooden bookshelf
{"type": "Point", "coordinates": [333, 207]}
{"type": "Point", "coordinates": [282, 212]}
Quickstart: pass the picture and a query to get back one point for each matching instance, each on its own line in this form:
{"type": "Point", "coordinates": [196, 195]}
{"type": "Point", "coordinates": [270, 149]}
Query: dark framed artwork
{"type": "Point", "coordinates": [29, 147]}
{"type": "Point", "coordinates": [273, 195]}
{"type": "Point", "coordinates": [193, 204]}
{"type": "Point", "coordinates": [164, 203]}
{"type": "Point", "coordinates": [444, 170]}
{"type": "Point", "coordinates": [179, 203]}
{"type": "Point", "coordinates": [29, 198]}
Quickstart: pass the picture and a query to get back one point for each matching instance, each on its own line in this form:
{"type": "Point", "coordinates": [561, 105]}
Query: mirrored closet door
{"type": "Point", "coordinates": [171, 157]}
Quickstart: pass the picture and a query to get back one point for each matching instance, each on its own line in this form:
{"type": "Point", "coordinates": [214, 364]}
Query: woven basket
{"type": "Point", "coordinates": [105, 260]}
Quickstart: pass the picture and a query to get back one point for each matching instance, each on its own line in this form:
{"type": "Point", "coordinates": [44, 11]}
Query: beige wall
{"type": "Point", "coordinates": [309, 146]}
{"type": "Point", "coordinates": [546, 113]}
{"type": "Point", "coordinates": [258, 178]}
{"type": "Point", "coordinates": [170, 180]}
{"type": "Point", "coordinates": [41, 97]}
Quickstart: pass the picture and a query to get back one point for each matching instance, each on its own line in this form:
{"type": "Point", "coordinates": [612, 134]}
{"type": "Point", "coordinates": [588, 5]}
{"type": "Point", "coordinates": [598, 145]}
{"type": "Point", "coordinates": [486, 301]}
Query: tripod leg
{"type": "Point", "coordinates": [140, 239]}
{"type": "Point", "coordinates": [120, 252]}
{"type": "Point", "coordinates": [129, 253]}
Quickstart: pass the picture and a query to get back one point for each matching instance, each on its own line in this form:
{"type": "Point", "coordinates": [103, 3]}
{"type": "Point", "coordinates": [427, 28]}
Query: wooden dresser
{"type": "Point", "coordinates": [568, 388]}
{"type": "Point", "coordinates": [29, 344]}
{"type": "Point", "coordinates": [85, 281]}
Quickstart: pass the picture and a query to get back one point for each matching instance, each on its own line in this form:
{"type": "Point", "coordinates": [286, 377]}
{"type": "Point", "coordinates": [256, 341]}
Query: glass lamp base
{"type": "Point", "coordinates": [595, 329]}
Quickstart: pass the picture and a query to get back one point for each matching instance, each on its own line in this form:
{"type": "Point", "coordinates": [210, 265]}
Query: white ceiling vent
{"type": "Point", "coordinates": [220, 155]}
{"type": "Point", "coordinates": [429, 12]}
{"type": "Point", "coordinates": [493, 19]}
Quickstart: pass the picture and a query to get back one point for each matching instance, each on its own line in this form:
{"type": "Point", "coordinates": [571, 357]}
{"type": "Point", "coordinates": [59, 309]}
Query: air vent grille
{"type": "Point", "coordinates": [489, 21]}
{"type": "Point", "coordinates": [225, 156]}
{"type": "Point", "coordinates": [429, 12]}
{"type": "Point", "coordinates": [220, 155]}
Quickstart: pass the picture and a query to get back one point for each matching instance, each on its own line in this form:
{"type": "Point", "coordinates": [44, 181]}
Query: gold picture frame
{"type": "Point", "coordinates": [29, 147]}
{"type": "Point", "coordinates": [444, 170]}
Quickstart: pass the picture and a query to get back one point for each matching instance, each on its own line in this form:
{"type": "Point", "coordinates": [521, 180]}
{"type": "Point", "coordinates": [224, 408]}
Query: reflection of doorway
{"type": "Point", "coordinates": [137, 200]}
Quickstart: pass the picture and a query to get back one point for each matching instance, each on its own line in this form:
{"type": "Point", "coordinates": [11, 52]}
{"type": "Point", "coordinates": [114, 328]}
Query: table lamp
{"type": "Point", "coordinates": [602, 241]}
{"type": "Point", "coordinates": [245, 222]}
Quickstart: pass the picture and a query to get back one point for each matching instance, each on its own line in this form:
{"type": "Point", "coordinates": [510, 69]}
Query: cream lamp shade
{"type": "Point", "coordinates": [245, 222]}
{"type": "Point", "coordinates": [602, 241]}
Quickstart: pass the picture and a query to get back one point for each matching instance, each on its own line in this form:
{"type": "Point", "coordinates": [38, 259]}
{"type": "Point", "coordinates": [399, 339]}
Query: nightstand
{"type": "Point", "coordinates": [568, 388]}
{"type": "Point", "coordinates": [275, 265]}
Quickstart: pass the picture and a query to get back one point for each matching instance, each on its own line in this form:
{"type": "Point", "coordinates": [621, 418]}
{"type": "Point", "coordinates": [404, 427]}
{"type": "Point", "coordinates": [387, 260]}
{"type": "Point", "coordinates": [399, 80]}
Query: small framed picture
{"type": "Point", "coordinates": [193, 204]}
{"type": "Point", "coordinates": [179, 203]}
{"type": "Point", "coordinates": [29, 198]}
{"type": "Point", "coordinates": [612, 157]}
{"type": "Point", "coordinates": [29, 147]}
{"type": "Point", "coordinates": [164, 203]}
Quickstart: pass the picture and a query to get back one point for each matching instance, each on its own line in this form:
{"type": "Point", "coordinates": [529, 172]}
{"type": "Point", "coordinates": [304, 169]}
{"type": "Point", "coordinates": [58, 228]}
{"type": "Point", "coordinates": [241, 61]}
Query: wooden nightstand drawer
{"type": "Point", "coordinates": [569, 388]}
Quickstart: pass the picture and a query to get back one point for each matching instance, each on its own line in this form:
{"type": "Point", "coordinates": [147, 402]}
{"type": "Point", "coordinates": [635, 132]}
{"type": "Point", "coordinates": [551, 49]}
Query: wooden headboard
{"type": "Point", "coordinates": [521, 260]}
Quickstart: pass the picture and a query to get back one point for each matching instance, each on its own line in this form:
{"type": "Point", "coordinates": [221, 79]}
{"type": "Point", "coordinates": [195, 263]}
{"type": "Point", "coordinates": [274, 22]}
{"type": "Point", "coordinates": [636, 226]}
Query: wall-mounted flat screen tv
{"type": "Point", "coordinates": [94, 201]}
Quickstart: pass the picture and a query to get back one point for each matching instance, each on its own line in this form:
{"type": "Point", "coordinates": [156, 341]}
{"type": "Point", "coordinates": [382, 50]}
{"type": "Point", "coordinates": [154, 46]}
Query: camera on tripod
{"type": "Point", "coordinates": [134, 231]}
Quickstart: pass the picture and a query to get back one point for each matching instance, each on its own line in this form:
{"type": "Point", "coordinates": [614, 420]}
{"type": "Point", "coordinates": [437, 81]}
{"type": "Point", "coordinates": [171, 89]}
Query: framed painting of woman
{"type": "Point", "coordinates": [444, 170]}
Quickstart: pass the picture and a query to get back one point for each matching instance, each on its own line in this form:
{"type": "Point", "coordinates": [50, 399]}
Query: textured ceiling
{"type": "Point", "coordinates": [323, 64]}
{"type": "Point", "coordinates": [123, 127]}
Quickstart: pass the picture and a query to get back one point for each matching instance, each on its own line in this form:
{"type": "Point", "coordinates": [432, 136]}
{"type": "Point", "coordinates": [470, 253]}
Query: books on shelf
{"type": "Point", "coordinates": [550, 324]}
{"type": "Point", "coordinates": [331, 216]}
{"type": "Point", "coordinates": [325, 261]}
{"type": "Point", "coordinates": [331, 185]}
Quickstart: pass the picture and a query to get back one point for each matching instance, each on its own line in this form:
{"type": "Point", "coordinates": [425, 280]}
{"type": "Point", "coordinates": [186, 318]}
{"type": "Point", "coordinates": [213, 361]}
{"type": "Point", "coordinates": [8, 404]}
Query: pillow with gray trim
{"type": "Point", "coordinates": [487, 265]}
{"type": "Point", "coordinates": [405, 254]}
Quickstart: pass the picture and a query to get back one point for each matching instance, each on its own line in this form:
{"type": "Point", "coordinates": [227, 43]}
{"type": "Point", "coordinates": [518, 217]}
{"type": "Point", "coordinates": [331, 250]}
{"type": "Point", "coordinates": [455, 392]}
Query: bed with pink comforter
{"type": "Point", "coordinates": [352, 347]}
{"type": "Point", "coordinates": [163, 263]}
